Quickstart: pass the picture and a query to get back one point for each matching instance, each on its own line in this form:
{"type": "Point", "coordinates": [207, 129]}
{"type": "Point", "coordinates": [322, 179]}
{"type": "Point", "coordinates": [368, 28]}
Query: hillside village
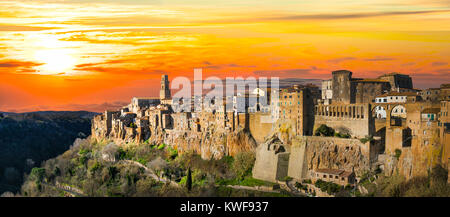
{"type": "Point", "coordinates": [336, 133]}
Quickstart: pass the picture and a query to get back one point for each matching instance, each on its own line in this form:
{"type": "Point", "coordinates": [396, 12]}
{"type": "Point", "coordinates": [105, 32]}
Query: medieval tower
{"type": "Point", "coordinates": [164, 93]}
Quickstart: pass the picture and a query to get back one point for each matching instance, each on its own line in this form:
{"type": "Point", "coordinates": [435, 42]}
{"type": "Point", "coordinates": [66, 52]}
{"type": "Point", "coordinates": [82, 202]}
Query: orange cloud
{"type": "Point", "coordinates": [74, 54]}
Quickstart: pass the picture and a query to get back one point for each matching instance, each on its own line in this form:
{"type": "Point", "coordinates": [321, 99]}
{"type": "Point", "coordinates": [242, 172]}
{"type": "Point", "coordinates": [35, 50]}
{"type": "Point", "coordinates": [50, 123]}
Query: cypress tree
{"type": "Point", "coordinates": [189, 180]}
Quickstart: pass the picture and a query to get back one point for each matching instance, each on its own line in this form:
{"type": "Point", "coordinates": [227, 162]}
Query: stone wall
{"type": "Point", "coordinates": [335, 153]}
{"type": "Point", "coordinates": [341, 84]}
{"type": "Point", "coordinates": [365, 92]}
{"type": "Point", "coordinates": [259, 126]}
{"type": "Point", "coordinates": [298, 166]}
{"type": "Point", "coordinates": [308, 153]}
{"type": "Point", "coordinates": [354, 119]}
{"type": "Point", "coordinates": [272, 161]}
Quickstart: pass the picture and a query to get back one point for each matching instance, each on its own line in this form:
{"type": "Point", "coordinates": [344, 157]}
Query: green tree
{"type": "Point", "coordinates": [324, 130]}
{"type": "Point", "coordinates": [189, 180]}
{"type": "Point", "coordinates": [438, 175]}
{"type": "Point", "coordinates": [398, 152]}
{"type": "Point", "coordinates": [243, 164]}
{"type": "Point", "coordinates": [38, 174]}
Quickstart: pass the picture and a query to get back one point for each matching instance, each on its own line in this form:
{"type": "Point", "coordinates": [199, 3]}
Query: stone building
{"type": "Point", "coordinates": [444, 94]}
{"type": "Point", "coordinates": [431, 94]}
{"type": "Point", "coordinates": [398, 81]}
{"type": "Point", "coordinates": [398, 97]}
{"type": "Point", "coordinates": [164, 93]}
{"type": "Point", "coordinates": [261, 99]}
{"type": "Point", "coordinates": [159, 117]}
{"type": "Point", "coordinates": [272, 161]}
{"type": "Point", "coordinates": [327, 91]}
{"type": "Point", "coordinates": [353, 119]}
{"type": "Point", "coordinates": [355, 90]}
{"type": "Point", "coordinates": [296, 109]}
{"type": "Point", "coordinates": [139, 104]}
{"type": "Point", "coordinates": [343, 88]}
{"type": "Point", "coordinates": [340, 177]}
{"type": "Point", "coordinates": [395, 99]}
{"type": "Point", "coordinates": [444, 130]}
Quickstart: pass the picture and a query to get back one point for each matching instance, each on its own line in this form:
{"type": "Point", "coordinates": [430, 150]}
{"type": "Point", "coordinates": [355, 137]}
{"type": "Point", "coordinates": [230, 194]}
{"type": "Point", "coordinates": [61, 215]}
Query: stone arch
{"type": "Point", "coordinates": [398, 111]}
{"type": "Point", "coordinates": [379, 112]}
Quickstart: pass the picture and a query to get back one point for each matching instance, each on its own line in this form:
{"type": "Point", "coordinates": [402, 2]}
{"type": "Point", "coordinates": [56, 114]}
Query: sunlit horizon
{"type": "Point", "coordinates": [92, 55]}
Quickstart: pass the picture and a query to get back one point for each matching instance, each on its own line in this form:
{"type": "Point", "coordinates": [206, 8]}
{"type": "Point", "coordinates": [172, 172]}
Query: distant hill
{"type": "Point", "coordinates": [288, 82]}
{"type": "Point", "coordinates": [27, 139]}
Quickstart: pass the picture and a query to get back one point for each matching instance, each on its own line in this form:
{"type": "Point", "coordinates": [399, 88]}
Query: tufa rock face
{"type": "Point", "coordinates": [212, 142]}
{"type": "Point", "coordinates": [215, 144]}
{"type": "Point", "coordinates": [299, 156]}
{"type": "Point", "coordinates": [336, 153]}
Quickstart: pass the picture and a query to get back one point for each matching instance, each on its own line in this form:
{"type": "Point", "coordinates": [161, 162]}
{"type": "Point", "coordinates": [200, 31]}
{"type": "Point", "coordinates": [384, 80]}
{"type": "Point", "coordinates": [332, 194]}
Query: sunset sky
{"type": "Point", "coordinates": [92, 55]}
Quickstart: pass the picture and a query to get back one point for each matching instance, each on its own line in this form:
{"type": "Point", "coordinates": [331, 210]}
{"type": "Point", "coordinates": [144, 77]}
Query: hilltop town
{"type": "Point", "coordinates": [336, 133]}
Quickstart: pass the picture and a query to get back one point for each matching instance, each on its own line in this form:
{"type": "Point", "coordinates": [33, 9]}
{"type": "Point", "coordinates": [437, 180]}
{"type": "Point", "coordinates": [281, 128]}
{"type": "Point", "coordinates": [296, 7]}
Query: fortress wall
{"type": "Point", "coordinates": [308, 153]}
{"type": "Point", "coordinates": [283, 165]}
{"type": "Point", "coordinates": [394, 139]}
{"type": "Point", "coordinates": [353, 119]}
{"type": "Point", "coordinates": [266, 164]}
{"type": "Point", "coordinates": [258, 128]}
{"type": "Point", "coordinates": [356, 127]}
{"type": "Point", "coordinates": [298, 167]}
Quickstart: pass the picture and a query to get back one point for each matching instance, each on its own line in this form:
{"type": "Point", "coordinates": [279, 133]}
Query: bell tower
{"type": "Point", "coordinates": [164, 93]}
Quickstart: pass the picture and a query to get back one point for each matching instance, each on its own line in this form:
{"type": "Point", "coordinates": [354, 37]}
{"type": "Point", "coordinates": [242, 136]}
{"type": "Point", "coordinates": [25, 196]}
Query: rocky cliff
{"type": "Point", "coordinates": [336, 153]}
{"type": "Point", "coordinates": [309, 153]}
{"type": "Point", "coordinates": [212, 142]}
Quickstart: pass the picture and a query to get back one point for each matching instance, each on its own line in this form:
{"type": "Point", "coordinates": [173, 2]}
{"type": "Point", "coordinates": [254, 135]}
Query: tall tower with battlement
{"type": "Point", "coordinates": [164, 93]}
{"type": "Point", "coordinates": [341, 84]}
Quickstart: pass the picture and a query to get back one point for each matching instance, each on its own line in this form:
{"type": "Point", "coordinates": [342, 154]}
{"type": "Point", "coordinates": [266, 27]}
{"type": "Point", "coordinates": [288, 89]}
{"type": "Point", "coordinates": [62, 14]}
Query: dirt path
{"type": "Point", "coordinates": [150, 173]}
{"type": "Point", "coordinates": [74, 192]}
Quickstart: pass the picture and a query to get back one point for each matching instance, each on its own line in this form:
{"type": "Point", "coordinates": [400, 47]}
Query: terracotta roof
{"type": "Point", "coordinates": [370, 80]}
{"type": "Point", "coordinates": [346, 174]}
{"type": "Point", "coordinates": [398, 94]}
{"type": "Point", "coordinates": [445, 85]}
{"type": "Point", "coordinates": [392, 73]}
{"type": "Point", "coordinates": [433, 88]}
{"type": "Point", "coordinates": [409, 89]}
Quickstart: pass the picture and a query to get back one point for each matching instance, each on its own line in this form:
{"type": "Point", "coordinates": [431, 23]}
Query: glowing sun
{"type": "Point", "coordinates": [56, 57]}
